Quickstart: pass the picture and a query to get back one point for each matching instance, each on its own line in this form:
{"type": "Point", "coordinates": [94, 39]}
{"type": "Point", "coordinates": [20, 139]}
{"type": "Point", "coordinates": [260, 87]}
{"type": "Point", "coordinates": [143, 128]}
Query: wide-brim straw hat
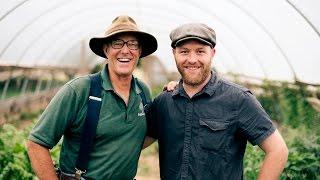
{"type": "Point", "coordinates": [124, 24]}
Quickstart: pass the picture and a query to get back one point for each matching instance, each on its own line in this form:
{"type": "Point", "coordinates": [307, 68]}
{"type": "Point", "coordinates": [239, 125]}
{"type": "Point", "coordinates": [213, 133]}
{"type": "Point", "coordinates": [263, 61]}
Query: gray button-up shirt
{"type": "Point", "coordinates": [204, 137]}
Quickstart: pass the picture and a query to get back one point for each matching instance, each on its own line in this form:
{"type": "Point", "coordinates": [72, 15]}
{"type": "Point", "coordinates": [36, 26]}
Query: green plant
{"type": "Point", "coordinates": [14, 162]}
{"type": "Point", "coordinates": [304, 159]}
{"type": "Point", "coordinates": [156, 91]}
{"type": "Point", "coordinates": [252, 161]}
{"type": "Point", "coordinates": [287, 104]}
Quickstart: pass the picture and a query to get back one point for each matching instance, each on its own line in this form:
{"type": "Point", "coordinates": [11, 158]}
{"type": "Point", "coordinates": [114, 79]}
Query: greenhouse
{"type": "Point", "coordinates": [270, 47]}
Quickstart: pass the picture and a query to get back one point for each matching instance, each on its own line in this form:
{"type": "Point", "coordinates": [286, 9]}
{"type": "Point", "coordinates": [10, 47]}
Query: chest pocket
{"type": "Point", "coordinates": [213, 133]}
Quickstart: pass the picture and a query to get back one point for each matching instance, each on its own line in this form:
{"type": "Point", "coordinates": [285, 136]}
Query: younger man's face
{"type": "Point", "coordinates": [193, 60]}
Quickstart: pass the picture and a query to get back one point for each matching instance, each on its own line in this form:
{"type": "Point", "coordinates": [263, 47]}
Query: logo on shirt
{"type": "Point", "coordinates": [141, 109]}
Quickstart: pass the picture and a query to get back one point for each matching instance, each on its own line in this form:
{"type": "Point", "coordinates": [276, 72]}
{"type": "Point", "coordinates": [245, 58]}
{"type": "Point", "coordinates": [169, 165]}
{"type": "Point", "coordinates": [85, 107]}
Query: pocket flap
{"type": "Point", "coordinates": [213, 125]}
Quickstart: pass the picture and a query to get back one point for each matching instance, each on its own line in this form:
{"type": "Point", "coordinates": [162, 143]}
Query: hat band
{"type": "Point", "coordinates": [123, 28]}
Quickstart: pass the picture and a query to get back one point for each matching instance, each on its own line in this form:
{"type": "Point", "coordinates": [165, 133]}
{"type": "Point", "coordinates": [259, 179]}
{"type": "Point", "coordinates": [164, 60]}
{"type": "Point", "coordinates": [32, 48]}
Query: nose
{"type": "Point", "coordinates": [125, 48]}
{"type": "Point", "coordinates": [193, 58]}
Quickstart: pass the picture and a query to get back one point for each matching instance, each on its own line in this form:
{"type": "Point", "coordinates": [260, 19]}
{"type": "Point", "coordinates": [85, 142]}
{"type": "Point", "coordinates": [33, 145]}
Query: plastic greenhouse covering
{"type": "Point", "coordinates": [269, 39]}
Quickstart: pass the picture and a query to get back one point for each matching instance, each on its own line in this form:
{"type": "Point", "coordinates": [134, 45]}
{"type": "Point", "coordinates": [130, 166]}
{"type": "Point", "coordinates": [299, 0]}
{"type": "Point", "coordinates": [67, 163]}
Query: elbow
{"type": "Point", "coordinates": [283, 156]}
{"type": "Point", "coordinates": [282, 153]}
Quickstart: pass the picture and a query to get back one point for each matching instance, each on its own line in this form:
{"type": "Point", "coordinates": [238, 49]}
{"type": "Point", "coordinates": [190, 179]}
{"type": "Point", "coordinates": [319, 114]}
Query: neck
{"type": "Point", "coordinates": [119, 82]}
{"type": "Point", "coordinates": [191, 90]}
{"type": "Point", "coordinates": [121, 85]}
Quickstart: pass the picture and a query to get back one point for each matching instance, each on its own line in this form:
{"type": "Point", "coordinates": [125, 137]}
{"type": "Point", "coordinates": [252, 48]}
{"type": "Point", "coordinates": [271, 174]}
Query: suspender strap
{"type": "Point", "coordinates": [142, 95]}
{"type": "Point", "coordinates": [90, 124]}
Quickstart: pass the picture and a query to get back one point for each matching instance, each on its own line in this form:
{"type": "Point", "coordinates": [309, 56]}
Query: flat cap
{"type": "Point", "coordinates": [198, 31]}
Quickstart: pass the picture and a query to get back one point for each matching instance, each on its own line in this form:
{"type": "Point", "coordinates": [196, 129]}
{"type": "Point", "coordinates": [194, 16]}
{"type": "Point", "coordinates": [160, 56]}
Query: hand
{"type": "Point", "coordinates": [170, 86]}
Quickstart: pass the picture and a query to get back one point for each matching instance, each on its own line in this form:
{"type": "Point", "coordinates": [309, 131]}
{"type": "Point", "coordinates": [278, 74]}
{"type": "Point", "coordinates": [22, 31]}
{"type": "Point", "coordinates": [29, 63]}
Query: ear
{"type": "Point", "coordinates": [105, 50]}
{"type": "Point", "coordinates": [174, 51]}
{"type": "Point", "coordinates": [213, 52]}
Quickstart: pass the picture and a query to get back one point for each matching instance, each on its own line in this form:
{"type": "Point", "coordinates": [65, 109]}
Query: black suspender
{"type": "Point", "coordinates": [142, 95]}
{"type": "Point", "coordinates": [146, 105]}
{"type": "Point", "coordinates": [91, 122]}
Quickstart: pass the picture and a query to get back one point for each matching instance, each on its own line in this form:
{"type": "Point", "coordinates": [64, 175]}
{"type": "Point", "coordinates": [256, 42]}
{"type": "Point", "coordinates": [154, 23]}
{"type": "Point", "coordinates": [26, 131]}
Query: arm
{"type": "Point", "coordinates": [41, 161]}
{"type": "Point", "coordinates": [276, 156]}
{"type": "Point", "coordinates": [151, 126]}
{"type": "Point", "coordinates": [148, 141]}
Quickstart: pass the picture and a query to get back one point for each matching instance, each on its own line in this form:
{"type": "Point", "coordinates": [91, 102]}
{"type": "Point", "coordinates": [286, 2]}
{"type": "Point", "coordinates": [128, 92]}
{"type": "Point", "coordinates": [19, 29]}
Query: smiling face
{"type": "Point", "coordinates": [193, 60]}
{"type": "Point", "coordinates": [122, 60]}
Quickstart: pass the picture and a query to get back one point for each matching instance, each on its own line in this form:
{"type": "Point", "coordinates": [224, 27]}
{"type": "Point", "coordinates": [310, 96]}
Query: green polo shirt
{"type": "Point", "coordinates": [120, 132]}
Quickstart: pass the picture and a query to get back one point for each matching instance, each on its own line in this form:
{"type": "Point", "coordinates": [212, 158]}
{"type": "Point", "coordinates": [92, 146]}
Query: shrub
{"type": "Point", "coordinates": [14, 162]}
{"type": "Point", "coordinates": [303, 161]}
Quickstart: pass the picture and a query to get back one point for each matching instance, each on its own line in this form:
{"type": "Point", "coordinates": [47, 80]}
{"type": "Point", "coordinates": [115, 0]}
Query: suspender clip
{"type": "Point", "coordinates": [79, 173]}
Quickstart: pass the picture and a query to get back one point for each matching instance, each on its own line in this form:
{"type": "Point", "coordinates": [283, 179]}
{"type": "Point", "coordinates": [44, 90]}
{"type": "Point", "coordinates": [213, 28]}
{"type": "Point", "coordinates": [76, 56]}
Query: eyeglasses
{"type": "Point", "coordinates": [119, 43]}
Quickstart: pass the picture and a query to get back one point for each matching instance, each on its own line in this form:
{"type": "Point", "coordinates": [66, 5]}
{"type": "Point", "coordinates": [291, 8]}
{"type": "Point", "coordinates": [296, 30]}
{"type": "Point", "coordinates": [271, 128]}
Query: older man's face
{"type": "Point", "coordinates": [123, 54]}
{"type": "Point", "coordinates": [193, 60]}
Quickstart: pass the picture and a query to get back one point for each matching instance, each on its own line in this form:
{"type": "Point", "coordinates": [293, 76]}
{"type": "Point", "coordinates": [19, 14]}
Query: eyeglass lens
{"type": "Point", "coordinates": [119, 43]}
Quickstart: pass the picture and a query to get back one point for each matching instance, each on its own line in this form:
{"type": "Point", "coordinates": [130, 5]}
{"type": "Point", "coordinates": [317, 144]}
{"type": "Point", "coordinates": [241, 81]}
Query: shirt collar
{"type": "Point", "coordinates": [135, 86]}
{"type": "Point", "coordinates": [107, 85]}
{"type": "Point", "coordinates": [209, 88]}
{"type": "Point", "coordinates": [179, 89]}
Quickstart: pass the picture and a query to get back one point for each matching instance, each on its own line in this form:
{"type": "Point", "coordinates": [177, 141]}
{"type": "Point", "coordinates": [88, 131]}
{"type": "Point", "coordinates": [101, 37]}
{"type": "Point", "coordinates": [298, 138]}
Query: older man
{"type": "Point", "coordinates": [203, 125]}
{"type": "Point", "coordinates": [121, 125]}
